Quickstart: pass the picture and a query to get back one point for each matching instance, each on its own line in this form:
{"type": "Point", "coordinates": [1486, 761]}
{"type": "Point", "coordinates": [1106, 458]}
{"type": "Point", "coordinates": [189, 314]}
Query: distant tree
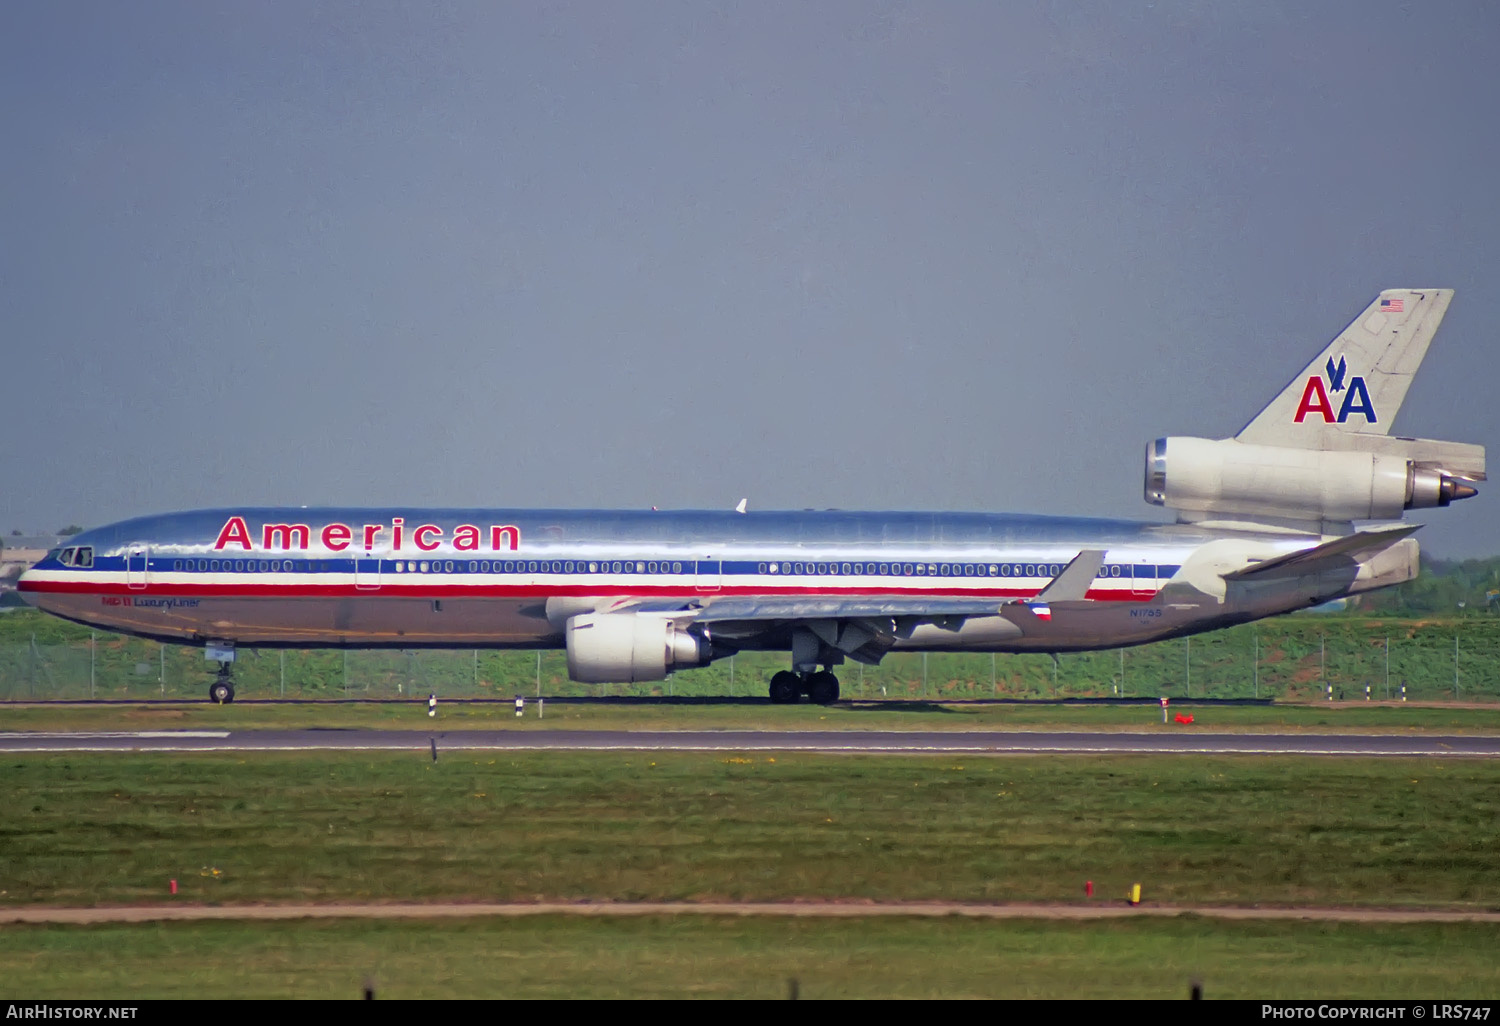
{"type": "Point", "coordinates": [70, 530]}
{"type": "Point", "coordinates": [1443, 587]}
{"type": "Point", "coordinates": [15, 534]}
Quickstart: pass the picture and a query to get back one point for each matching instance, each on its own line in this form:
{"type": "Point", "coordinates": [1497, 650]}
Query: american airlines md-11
{"type": "Point", "coordinates": [1304, 505]}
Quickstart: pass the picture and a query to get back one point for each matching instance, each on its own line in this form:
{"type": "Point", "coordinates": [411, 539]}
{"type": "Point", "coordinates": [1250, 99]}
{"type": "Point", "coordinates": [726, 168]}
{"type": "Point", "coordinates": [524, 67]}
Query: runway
{"type": "Point", "coordinates": [869, 742]}
{"type": "Point", "coordinates": [1091, 910]}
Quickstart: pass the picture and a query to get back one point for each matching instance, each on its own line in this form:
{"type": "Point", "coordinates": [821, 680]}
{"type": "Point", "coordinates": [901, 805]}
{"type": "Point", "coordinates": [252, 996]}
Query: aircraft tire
{"type": "Point", "coordinates": [786, 687]}
{"type": "Point", "coordinates": [823, 688]}
{"type": "Point", "coordinates": [221, 692]}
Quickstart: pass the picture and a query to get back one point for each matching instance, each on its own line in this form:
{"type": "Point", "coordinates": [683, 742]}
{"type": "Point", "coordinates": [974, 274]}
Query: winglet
{"type": "Point", "coordinates": [1073, 583]}
{"type": "Point", "coordinates": [740, 506]}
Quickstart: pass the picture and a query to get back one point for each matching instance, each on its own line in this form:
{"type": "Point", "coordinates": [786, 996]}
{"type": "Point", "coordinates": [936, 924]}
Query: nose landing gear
{"type": "Point", "coordinates": [821, 688]}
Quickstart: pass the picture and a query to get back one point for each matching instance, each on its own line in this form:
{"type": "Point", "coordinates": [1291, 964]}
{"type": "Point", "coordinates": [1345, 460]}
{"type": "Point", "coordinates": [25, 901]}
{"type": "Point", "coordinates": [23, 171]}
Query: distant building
{"type": "Point", "coordinates": [20, 552]}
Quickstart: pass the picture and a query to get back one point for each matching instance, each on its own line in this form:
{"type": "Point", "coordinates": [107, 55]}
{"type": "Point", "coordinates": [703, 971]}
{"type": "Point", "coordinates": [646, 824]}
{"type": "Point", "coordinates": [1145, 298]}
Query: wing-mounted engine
{"type": "Point", "coordinates": [1200, 476]}
{"type": "Point", "coordinates": [622, 648]}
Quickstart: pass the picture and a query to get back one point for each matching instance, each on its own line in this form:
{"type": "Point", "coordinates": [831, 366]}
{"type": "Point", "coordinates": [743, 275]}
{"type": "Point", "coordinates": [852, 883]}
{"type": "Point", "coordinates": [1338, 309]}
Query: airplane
{"type": "Point", "coordinates": [1303, 506]}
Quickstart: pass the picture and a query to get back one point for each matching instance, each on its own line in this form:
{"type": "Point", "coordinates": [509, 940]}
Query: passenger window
{"type": "Point", "coordinates": [775, 568]}
{"type": "Point", "coordinates": [677, 568]}
{"type": "Point", "coordinates": [473, 566]}
{"type": "Point", "coordinates": [846, 568]}
{"type": "Point", "coordinates": [400, 567]}
{"type": "Point", "coordinates": [239, 566]}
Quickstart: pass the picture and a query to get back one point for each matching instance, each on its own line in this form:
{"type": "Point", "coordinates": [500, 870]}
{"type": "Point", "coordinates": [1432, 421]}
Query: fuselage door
{"type": "Point", "coordinates": [366, 572]}
{"type": "Point", "coordinates": [710, 574]}
{"type": "Point", "coordinates": [135, 566]}
{"type": "Point", "coordinates": [1144, 586]}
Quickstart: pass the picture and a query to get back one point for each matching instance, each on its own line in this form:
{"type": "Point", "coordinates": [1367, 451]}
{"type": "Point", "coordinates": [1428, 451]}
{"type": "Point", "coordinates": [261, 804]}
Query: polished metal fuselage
{"type": "Point", "coordinates": [408, 578]}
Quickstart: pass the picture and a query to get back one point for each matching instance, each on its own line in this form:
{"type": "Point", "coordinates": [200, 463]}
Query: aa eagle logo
{"type": "Point", "coordinates": [1316, 397]}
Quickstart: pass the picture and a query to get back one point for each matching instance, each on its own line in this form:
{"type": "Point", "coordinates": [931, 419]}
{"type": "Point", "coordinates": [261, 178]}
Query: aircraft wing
{"type": "Point", "coordinates": [796, 607]}
{"type": "Point", "coordinates": [1306, 560]}
{"type": "Point", "coordinates": [1069, 586]}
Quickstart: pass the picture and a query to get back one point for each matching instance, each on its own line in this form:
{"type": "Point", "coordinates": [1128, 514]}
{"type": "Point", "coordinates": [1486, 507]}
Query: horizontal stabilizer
{"type": "Point", "coordinates": [1462, 460]}
{"type": "Point", "coordinates": [1348, 546]}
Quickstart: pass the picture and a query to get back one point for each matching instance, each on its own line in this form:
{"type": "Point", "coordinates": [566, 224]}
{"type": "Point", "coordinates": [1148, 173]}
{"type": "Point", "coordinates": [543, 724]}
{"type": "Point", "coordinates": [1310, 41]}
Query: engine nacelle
{"type": "Point", "coordinates": [1200, 475]}
{"type": "Point", "coordinates": [622, 648]}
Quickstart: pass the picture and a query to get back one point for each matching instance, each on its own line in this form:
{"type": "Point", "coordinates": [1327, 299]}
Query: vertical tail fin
{"type": "Point", "coordinates": [1355, 385]}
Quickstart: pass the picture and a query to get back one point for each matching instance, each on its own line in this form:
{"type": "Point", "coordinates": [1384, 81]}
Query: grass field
{"type": "Point", "coordinates": [757, 714]}
{"type": "Point", "coordinates": [750, 957]}
{"type": "Point", "coordinates": [105, 829]}
{"type": "Point", "coordinates": [1289, 657]}
{"type": "Point", "coordinates": [332, 827]}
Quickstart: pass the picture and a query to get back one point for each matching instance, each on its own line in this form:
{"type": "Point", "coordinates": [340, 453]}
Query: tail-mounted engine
{"type": "Point", "coordinates": [1200, 475]}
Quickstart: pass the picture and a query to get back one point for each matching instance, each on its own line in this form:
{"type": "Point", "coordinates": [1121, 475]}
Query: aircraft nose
{"type": "Point", "coordinates": [31, 598]}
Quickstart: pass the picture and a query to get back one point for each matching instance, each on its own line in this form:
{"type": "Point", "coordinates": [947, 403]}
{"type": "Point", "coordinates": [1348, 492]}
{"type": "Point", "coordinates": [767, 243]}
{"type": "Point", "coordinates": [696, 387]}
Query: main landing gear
{"type": "Point", "coordinates": [821, 688]}
{"type": "Point", "coordinates": [221, 691]}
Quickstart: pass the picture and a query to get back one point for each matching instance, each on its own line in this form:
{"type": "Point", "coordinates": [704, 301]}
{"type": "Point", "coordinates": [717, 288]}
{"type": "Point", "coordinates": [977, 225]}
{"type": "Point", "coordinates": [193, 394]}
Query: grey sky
{"type": "Point", "coordinates": [937, 255]}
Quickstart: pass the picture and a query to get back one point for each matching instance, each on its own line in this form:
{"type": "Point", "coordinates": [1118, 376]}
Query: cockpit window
{"type": "Point", "coordinates": [80, 556]}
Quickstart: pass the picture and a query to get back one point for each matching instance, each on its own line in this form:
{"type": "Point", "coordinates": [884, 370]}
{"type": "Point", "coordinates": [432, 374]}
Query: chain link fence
{"type": "Point", "coordinates": [1290, 658]}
